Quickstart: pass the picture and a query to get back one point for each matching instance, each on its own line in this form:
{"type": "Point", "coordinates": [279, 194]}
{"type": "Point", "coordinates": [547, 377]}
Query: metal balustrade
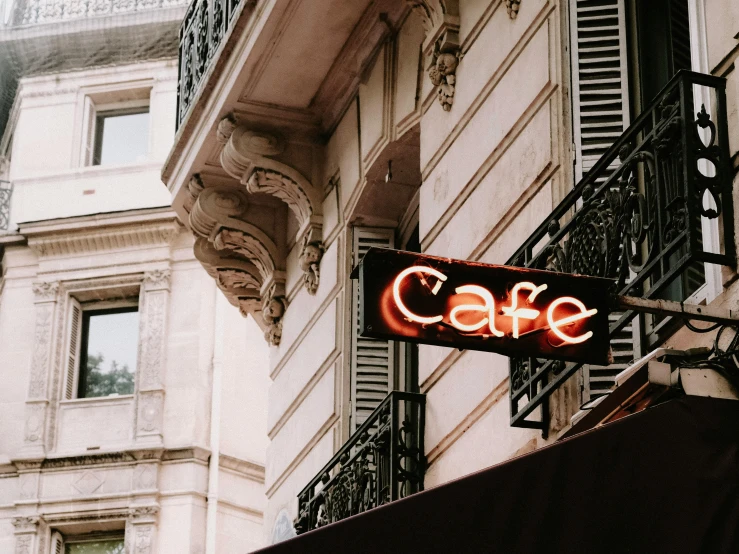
{"type": "Point", "coordinates": [205, 25]}
{"type": "Point", "coordinates": [639, 216]}
{"type": "Point", "coordinates": [381, 462]}
{"type": "Point", "coordinates": [6, 191]}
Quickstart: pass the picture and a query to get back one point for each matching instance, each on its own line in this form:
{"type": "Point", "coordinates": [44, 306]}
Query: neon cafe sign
{"type": "Point", "coordinates": [467, 305]}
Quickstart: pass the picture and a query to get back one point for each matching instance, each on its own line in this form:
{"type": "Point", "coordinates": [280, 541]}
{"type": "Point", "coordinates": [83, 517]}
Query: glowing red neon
{"type": "Point", "coordinates": [516, 311]}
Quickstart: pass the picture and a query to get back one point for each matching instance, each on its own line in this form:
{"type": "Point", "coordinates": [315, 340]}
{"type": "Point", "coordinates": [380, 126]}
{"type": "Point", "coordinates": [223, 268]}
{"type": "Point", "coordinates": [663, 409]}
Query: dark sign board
{"type": "Point", "coordinates": [468, 305]}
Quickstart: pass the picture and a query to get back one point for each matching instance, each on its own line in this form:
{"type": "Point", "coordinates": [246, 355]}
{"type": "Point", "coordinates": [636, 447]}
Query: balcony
{"type": "Point", "coordinates": [202, 30]}
{"type": "Point", "coordinates": [650, 214]}
{"type": "Point", "coordinates": [381, 462]}
{"type": "Point", "coordinates": [6, 191]}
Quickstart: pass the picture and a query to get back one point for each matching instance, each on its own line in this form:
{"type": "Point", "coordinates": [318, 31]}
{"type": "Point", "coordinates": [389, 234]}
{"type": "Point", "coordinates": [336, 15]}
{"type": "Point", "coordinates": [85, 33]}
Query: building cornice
{"type": "Point", "coordinates": [101, 232]}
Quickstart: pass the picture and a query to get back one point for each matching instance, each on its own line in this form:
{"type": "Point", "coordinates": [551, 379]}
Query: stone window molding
{"type": "Point", "coordinates": [48, 367]}
{"type": "Point", "coordinates": [139, 523]}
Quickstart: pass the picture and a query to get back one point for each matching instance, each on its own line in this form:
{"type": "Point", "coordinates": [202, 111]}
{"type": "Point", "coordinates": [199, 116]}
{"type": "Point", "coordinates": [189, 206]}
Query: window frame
{"type": "Point", "coordinates": [97, 132]}
{"type": "Point", "coordinates": [88, 311]}
{"type": "Point", "coordinates": [109, 98]}
{"type": "Point", "coordinates": [70, 539]}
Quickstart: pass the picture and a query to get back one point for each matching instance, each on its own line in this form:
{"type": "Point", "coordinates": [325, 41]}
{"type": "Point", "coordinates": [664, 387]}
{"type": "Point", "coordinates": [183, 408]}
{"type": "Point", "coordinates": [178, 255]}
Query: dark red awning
{"type": "Point", "coordinates": [663, 480]}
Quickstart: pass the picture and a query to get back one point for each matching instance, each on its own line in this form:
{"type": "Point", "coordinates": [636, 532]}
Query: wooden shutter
{"type": "Point", "coordinates": [57, 543]}
{"type": "Point", "coordinates": [600, 98]}
{"type": "Point", "coordinates": [74, 339]}
{"type": "Point", "coordinates": [372, 360]}
{"type": "Point", "coordinates": [599, 78]}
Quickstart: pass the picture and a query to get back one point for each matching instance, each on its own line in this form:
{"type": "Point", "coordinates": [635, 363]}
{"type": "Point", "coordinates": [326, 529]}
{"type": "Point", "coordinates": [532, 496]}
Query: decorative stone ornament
{"type": "Point", "coordinates": [225, 128]}
{"type": "Point", "coordinates": [441, 47]}
{"type": "Point", "coordinates": [274, 305]}
{"type": "Point", "coordinates": [309, 261]}
{"type": "Point", "coordinates": [512, 6]}
{"type": "Point", "coordinates": [443, 75]}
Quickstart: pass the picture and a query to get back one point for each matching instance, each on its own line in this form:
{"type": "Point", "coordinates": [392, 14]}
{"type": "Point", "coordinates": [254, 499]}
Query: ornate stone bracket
{"type": "Point", "coordinates": [311, 253]}
{"type": "Point", "coordinates": [249, 156]}
{"type": "Point", "coordinates": [244, 261]}
{"type": "Point", "coordinates": [442, 46]}
{"type": "Point", "coordinates": [274, 305]}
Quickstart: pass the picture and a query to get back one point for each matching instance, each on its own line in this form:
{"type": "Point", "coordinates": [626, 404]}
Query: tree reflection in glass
{"type": "Point", "coordinates": [110, 344]}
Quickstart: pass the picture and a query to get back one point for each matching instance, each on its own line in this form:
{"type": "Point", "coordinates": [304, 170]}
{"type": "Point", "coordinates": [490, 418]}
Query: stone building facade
{"type": "Point", "coordinates": [454, 128]}
{"type": "Point", "coordinates": [173, 459]}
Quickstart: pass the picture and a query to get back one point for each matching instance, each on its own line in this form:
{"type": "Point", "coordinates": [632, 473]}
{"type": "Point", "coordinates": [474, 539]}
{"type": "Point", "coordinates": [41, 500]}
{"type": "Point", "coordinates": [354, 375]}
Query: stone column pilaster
{"type": "Point", "coordinates": [141, 530]}
{"type": "Point", "coordinates": [152, 358]}
{"type": "Point", "coordinates": [26, 534]}
{"type": "Point", "coordinates": [37, 402]}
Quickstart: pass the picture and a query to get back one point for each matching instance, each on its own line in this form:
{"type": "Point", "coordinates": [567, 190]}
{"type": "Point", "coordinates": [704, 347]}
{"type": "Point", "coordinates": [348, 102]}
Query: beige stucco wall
{"type": "Point", "coordinates": [122, 230]}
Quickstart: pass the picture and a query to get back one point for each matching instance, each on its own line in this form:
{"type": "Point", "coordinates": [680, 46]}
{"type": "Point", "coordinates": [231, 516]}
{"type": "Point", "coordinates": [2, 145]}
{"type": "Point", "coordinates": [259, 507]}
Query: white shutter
{"type": "Point", "coordinates": [74, 339]}
{"type": "Point", "coordinates": [372, 360]}
{"type": "Point", "coordinates": [600, 108]}
{"type": "Point", "coordinates": [89, 130]}
{"type": "Point", "coordinates": [599, 78]}
{"type": "Point", "coordinates": [57, 543]}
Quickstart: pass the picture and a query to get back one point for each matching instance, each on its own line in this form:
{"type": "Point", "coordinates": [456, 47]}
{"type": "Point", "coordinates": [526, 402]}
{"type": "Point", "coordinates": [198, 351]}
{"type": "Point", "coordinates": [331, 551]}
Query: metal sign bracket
{"type": "Point", "coordinates": [712, 314]}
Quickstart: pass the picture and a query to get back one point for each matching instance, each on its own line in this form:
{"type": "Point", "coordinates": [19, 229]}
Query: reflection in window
{"type": "Point", "coordinates": [109, 350]}
{"type": "Point", "coordinates": [114, 546]}
{"type": "Point", "coordinates": [121, 137]}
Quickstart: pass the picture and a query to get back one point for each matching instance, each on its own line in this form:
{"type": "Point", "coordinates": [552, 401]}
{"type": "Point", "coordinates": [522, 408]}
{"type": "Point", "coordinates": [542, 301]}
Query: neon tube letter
{"type": "Point", "coordinates": [399, 302]}
{"type": "Point", "coordinates": [488, 308]}
{"type": "Point", "coordinates": [517, 313]}
{"type": "Point", "coordinates": [555, 325]}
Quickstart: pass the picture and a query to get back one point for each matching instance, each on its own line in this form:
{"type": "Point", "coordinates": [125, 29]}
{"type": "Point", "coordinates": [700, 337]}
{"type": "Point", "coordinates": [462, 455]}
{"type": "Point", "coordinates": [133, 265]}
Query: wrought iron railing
{"type": "Point", "coordinates": [6, 191]}
{"type": "Point", "coordinates": [382, 461]}
{"type": "Point", "coordinates": [205, 25]}
{"type": "Point", "coordinates": [31, 12]}
{"type": "Point", "coordinates": [637, 217]}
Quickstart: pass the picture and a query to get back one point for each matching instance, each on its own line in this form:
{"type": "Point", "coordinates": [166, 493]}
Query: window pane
{"type": "Point", "coordinates": [110, 352]}
{"type": "Point", "coordinates": [122, 138]}
{"type": "Point", "coordinates": [96, 547]}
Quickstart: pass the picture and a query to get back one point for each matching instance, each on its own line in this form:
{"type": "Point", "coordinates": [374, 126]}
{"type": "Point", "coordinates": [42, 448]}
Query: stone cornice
{"type": "Point", "coordinates": [122, 457]}
{"type": "Point", "coordinates": [245, 468]}
{"type": "Point", "coordinates": [87, 235]}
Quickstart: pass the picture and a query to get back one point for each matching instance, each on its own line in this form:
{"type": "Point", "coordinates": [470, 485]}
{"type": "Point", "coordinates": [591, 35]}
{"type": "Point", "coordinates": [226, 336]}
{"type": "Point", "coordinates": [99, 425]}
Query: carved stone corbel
{"type": "Point", "coordinates": [274, 305]}
{"type": "Point", "coordinates": [311, 254]}
{"type": "Point", "coordinates": [248, 155]}
{"type": "Point", "coordinates": [440, 20]}
{"type": "Point", "coordinates": [194, 188]}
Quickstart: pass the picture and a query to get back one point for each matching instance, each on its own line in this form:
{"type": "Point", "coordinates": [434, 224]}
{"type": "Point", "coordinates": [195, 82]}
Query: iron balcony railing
{"type": "Point", "coordinates": [31, 12]}
{"type": "Point", "coordinates": [642, 216]}
{"type": "Point", "coordinates": [382, 461]}
{"type": "Point", "coordinates": [205, 25]}
{"type": "Point", "coordinates": [6, 191]}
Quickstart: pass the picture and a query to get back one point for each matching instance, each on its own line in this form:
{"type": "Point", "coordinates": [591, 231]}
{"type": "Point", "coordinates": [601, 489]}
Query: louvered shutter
{"type": "Point", "coordinates": [74, 339]}
{"type": "Point", "coordinates": [600, 97]}
{"type": "Point", "coordinates": [372, 360]}
{"type": "Point", "coordinates": [57, 543]}
{"type": "Point", "coordinates": [599, 78]}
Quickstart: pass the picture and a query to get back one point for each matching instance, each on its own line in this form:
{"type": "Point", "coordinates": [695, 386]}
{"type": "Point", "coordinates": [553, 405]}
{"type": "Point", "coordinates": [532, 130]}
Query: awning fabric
{"type": "Point", "coordinates": [663, 480]}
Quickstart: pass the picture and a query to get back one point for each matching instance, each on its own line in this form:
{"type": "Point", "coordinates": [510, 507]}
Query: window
{"type": "Point", "coordinates": [103, 347]}
{"type": "Point", "coordinates": [121, 137]}
{"type": "Point", "coordinates": [106, 543]}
